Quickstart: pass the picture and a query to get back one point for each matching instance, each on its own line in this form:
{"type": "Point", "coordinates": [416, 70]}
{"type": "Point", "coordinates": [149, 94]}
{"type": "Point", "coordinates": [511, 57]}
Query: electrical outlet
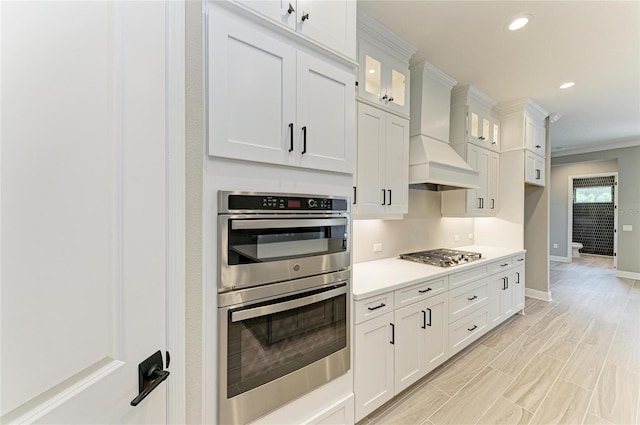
{"type": "Point", "coordinates": [470, 236]}
{"type": "Point", "coordinates": [377, 247]}
{"type": "Point", "coordinates": [555, 245]}
{"type": "Point", "coordinates": [456, 238]}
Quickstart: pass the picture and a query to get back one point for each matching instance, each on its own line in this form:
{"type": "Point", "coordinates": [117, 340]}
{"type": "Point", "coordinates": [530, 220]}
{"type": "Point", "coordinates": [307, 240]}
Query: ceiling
{"type": "Point", "coordinates": [594, 43]}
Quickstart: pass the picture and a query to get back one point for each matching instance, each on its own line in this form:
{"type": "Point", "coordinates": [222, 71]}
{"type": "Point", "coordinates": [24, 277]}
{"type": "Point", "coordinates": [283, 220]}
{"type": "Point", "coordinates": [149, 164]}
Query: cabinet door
{"type": "Point", "coordinates": [397, 79]}
{"type": "Point", "coordinates": [277, 10]}
{"type": "Point", "coordinates": [534, 169]}
{"type": "Point", "coordinates": [383, 79]}
{"type": "Point", "coordinates": [506, 296]}
{"type": "Point", "coordinates": [325, 115]}
{"type": "Point", "coordinates": [409, 341]}
{"type": "Point", "coordinates": [373, 364]}
{"type": "Point", "coordinates": [502, 301]}
{"type": "Point", "coordinates": [517, 288]}
{"type": "Point", "coordinates": [535, 136]}
{"type": "Point", "coordinates": [495, 135]}
{"type": "Point", "coordinates": [330, 23]}
{"type": "Point", "coordinates": [478, 159]}
{"type": "Point", "coordinates": [251, 90]}
{"type": "Point", "coordinates": [396, 157]}
{"type": "Point", "coordinates": [371, 135]}
{"type": "Point", "coordinates": [479, 127]}
{"type": "Point", "coordinates": [493, 181]}
{"type": "Point", "coordinates": [435, 332]}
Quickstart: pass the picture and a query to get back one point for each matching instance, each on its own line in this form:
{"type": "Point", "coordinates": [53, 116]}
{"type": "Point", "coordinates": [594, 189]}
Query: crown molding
{"type": "Point", "coordinates": [434, 72]}
{"type": "Point", "coordinates": [375, 32]}
{"type": "Point", "coordinates": [463, 93]}
{"type": "Point", "coordinates": [523, 105]}
{"type": "Point", "coordinates": [595, 148]}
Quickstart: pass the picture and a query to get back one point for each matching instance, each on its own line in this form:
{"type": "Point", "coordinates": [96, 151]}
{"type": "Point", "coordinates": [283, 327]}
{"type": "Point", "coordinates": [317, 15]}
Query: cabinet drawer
{"type": "Point", "coordinates": [518, 260]}
{"type": "Point", "coordinates": [461, 278]}
{"type": "Point", "coordinates": [419, 291]}
{"type": "Point", "coordinates": [468, 298]}
{"type": "Point", "coordinates": [373, 307]}
{"type": "Point", "coordinates": [503, 264]}
{"type": "Point", "coordinates": [466, 330]}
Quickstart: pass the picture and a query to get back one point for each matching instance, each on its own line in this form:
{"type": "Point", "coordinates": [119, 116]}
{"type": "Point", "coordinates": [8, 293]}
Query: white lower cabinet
{"type": "Point", "coordinates": [507, 294]}
{"type": "Point", "coordinates": [420, 340]}
{"type": "Point", "coordinates": [394, 350]}
{"type": "Point", "coordinates": [402, 335]}
{"type": "Point", "coordinates": [374, 364]}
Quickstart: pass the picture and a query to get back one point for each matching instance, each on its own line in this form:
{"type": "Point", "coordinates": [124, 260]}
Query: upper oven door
{"type": "Point", "coordinates": [260, 249]}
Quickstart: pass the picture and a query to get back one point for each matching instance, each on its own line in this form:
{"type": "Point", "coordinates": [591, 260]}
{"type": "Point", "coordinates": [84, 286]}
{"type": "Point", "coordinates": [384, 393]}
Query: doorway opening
{"type": "Point", "coordinates": [593, 219]}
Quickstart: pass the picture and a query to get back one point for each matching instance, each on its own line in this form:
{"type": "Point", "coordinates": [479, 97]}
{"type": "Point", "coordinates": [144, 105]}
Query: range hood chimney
{"type": "Point", "coordinates": [432, 161]}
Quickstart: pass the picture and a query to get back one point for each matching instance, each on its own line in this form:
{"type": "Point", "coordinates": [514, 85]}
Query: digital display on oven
{"type": "Point", "coordinates": [293, 203]}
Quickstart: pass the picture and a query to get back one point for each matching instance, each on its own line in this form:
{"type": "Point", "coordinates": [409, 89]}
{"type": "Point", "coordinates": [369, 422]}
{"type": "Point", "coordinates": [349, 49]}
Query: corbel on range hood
{"type": "Point", "coordinates": [432, 161]}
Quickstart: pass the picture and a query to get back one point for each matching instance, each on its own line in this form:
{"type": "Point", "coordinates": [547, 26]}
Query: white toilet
{"type": "Point", "coordinates": [575, 249]}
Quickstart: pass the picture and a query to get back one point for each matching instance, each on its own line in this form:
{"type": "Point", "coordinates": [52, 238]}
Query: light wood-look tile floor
{"type": "Point", "coordinates": [574, 360]}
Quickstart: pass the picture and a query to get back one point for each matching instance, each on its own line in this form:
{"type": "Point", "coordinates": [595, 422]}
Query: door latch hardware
{"type": "Point", "coordinates": [150, 375]}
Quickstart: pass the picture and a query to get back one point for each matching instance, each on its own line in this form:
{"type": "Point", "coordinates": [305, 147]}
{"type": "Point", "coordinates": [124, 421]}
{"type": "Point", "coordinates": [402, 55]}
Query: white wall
{"type": "Point", "coordinates": [422, 228]}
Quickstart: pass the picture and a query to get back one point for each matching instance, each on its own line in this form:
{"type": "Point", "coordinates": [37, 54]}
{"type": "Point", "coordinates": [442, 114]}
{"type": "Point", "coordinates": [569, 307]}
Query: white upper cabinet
{"type": "Point", "coordinates": [270, 102]}
{"type": "Point", "coordinates": [473, 119]}
{"type": "Point", "coordinates": [383, 76]}
{"type": "Point", "coordinates": [383, 80]}
{"type": "Point", "coordinates": [534, 169]}
{"type": "Point", "coordinates": [534, 135]}
{"type": "Point", "coordinates": [325, 115]}
{"type": "Point", "coordinates": [382, 176]}
{"type": "Point", "coordinates": [524, 126]}
{"type": "Point", "coordinates": [329, 23]}
{"type": "Point", "coordinates": [483, 201]}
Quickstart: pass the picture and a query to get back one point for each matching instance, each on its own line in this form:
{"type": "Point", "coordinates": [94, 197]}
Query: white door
{"type": "Point", "coordinates": [396, 150]}
{"type": "Point", "coordinates": [409, 324]}
{"type": "Point", "coordinates": [325, 114]}
{"type": "Point", "coordinates": [436, 332]}
{"type": "Point", "coordinates": [371, 162]}
{"type": "Point", "coordinates": [84, 210]}
{"type": "Point", "coordinates": [331, 23]}
{"type": "Point", "coordinates": [252, 92]}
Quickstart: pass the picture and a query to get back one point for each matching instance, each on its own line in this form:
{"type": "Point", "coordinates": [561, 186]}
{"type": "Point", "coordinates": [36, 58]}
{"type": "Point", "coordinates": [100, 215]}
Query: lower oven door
{"type": "Point", "coordinates": [274, 351]}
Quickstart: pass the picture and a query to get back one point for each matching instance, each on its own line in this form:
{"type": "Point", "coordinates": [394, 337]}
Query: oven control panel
{"type": "Point", "coordinates": [246, 202]}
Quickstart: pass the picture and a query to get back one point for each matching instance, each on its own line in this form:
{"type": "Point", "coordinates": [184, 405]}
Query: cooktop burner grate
{"type": "Point", "coordinates": [442, 257]}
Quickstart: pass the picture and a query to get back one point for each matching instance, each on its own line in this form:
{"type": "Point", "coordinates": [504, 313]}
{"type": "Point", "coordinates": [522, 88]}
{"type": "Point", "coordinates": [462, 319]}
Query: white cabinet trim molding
{"type": "Point", "coordinates": [382, 36]}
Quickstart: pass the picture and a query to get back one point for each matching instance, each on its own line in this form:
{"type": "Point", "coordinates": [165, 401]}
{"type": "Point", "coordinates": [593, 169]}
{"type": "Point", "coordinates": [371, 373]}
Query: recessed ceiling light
{"type": "Point", "coordinates": [519, 22]}
{"type": "Point", "coordinates": [567, 84]}
{"type": "Point", "coordinates": [372, 71]}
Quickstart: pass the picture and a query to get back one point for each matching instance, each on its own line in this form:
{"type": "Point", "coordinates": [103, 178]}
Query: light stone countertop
{"type": "Point", "coordinates": [379, 276]}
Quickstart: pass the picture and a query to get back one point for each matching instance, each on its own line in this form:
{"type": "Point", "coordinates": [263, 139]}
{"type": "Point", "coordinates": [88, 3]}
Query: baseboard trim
{"type": "Point", "coordinates": [538, 295]}
{"type": "Point", "coordinates": [560, 259]}
{"type": "Point", "coordinates": [627, 275]}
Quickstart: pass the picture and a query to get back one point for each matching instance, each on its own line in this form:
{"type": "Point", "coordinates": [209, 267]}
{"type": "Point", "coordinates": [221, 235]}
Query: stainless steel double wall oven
{"type": "Point", "coordinates": [283, 299]}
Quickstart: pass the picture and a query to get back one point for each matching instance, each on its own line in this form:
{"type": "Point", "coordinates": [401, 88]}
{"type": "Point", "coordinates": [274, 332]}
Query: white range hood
{"type": "Point", "coordinates": [436, 164]}
{"type": "Point", "coordinates": [432, 161]}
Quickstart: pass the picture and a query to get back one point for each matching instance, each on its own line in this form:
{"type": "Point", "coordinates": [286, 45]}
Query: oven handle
{"type": "Point", "coordinates": [251, 313]}
{"type": "Point", "coordinates": [285, 224]}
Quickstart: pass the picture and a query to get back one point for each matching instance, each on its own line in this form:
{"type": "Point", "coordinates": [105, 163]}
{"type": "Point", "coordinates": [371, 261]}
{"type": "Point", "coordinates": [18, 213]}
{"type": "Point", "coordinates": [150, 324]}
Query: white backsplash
{"type": "Point", "coordinates": [423, 228]}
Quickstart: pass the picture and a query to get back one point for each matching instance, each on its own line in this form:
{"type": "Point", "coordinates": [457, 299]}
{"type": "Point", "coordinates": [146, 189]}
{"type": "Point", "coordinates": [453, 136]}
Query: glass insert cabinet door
{"type": "Point", "coordinates": [383, 79]}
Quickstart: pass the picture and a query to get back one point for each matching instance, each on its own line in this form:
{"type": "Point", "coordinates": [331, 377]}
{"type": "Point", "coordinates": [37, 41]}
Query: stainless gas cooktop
{"type": "Point", "coordinates": [442, 257]}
